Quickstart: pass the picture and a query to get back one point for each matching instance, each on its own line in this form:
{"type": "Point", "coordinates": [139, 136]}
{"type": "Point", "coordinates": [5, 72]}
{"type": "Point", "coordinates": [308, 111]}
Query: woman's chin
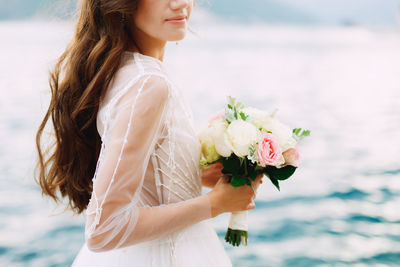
{"type": "Point", "coordinates": [177, 36]}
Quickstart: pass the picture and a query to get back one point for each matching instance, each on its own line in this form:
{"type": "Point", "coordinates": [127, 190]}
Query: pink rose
{"type": "Point", "coordinates": [217, 116]}
{"type": "Point", "coordinates": [269, 152]}
{"type": "Point", "coordinates": [292, 156]}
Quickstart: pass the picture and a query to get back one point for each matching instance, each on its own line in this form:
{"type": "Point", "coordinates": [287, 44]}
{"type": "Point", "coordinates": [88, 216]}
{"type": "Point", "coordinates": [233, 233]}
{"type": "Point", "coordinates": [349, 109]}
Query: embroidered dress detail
{"type": "Point", "coordinates": [146, 207]}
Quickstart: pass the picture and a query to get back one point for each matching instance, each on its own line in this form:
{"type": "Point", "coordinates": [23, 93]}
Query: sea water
{"type": "Point", "coordinates": [342, 206]}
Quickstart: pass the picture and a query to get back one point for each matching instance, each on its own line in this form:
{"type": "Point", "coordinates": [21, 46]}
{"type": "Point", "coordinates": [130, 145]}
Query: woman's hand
{"type": "Point", "coordinates": [226, 198]}
{"type": "Point", "coordinates": [211, 175]}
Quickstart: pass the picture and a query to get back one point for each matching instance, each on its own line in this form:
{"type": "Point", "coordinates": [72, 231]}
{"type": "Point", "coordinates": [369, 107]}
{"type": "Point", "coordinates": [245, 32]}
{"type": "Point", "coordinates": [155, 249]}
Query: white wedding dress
{"type": "Point", "coordinates": [146, 207]}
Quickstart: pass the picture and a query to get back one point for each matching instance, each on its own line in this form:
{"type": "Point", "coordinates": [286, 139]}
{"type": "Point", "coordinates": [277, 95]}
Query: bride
{"type": "Point", "coordinates": [125, 150]}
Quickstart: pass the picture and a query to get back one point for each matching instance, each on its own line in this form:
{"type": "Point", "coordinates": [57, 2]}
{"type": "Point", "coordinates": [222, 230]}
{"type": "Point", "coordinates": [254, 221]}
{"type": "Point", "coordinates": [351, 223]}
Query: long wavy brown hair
{"type": "Point", "coordinates": [77, 82]}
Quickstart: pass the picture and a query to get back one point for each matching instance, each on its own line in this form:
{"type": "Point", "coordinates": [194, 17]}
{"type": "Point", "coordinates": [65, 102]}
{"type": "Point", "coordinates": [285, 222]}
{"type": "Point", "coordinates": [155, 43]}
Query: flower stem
{"type": "Point", "coordinates": [236, 237]}
{"type": "Point", "coordinates": [245, 167]}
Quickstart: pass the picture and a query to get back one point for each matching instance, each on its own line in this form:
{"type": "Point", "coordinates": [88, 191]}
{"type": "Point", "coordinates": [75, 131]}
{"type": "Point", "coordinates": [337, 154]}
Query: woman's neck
{"type": "Point", "coordinates": [148, 45]}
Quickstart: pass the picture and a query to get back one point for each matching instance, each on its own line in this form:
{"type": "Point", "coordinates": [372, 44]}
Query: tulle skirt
{"type": "Point", "coordinates": [195, 246]}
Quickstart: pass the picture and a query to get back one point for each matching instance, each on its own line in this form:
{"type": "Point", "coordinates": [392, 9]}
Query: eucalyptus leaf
{"type": "Point", "coordinates": [229, 117]}
{"type": "Point", "coordinates": [240, 105]}
{"type": "Point", "coordinates": [231, 100]}
{"type": "Point", "coordinates": [243, 116]}
{"type": "Point", "coordinates": [300, 133]}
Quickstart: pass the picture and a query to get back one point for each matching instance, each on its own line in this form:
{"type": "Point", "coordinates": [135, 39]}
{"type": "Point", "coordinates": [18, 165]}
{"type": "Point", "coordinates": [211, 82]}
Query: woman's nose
{"type": "Point", "coordinates": [179, 4]}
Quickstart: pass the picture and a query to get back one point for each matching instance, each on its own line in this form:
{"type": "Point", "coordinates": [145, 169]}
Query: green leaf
{"type": "Point", "coordinates": [236, 115]}
{"type": "Point", "coordinates": [259, 168]}
{"type": "Point", "coordinates": [243, 116]}
{"type": "Point", "coordinates": [231, 165]}
{"type": "Point", "coordinates": [275, 182]}
{"type": "Point", "coordinates": [238, 180]}
{"type": "Point", "coordinates": [280, 173]}
{"type": "Point", "coordinates": [230, 106]}
{"type": "Point", "coordinates": [229, 117]}
{"type": "Point", "coordinates": [253, 175]}
{"type": "Point", "coordinates": [231, 101]}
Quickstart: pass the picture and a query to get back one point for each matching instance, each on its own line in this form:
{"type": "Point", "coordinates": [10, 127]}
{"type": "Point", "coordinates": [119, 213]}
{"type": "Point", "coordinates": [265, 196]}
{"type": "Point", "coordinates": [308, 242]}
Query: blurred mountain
{"type": "Point", "coordinates": [27, 9]}
{"type": "Point", "coordinates": [351, 12]}
{"type": "Point", "coordinates": [327, 12]}
{"type": "Point", "coordinates": [270, 11]}
{"type": "Point", "coordinates": [17, 9]}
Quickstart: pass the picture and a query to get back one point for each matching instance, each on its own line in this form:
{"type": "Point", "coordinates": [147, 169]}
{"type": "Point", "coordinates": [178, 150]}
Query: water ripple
{"type": "Point", "coordinates": [382, 172]}
{"type": "Point", "coordinates": [4, 250]}
{"type": "Point", "coordinates": [353, 194]}
{"type": "Point", "coordinates": [25, 256]}
{"type": "Point", "coordinates": [303, 262]}
{"type": "Point", "coordinates": [365, 218]}
{"type": "Point", "coordinates": [391, 258]}
{"type": "Point", "coordinates": [60, 231]}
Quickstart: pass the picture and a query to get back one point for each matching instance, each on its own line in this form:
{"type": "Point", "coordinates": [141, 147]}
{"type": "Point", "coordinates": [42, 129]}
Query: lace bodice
{"type": "Point", "coordinates": [147, 182]}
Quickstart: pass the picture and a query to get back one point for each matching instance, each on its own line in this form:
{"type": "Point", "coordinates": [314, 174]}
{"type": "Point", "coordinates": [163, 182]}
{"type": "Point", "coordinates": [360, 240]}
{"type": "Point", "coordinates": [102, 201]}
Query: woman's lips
{"type": "Point", "coordinates": [177, 20]}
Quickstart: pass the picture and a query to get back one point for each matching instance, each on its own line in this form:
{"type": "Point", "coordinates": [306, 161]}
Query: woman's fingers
{"type": "Point", "coordinates": [256, 183]}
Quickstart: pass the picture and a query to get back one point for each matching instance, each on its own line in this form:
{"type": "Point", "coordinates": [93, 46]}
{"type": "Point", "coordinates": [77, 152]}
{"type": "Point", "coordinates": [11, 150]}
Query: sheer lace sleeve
{"type": "Point", "coordinates": [114, 217]}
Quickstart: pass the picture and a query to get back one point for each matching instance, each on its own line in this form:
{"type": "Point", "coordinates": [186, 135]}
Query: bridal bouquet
{"type": "Point", "coordinates": [248, 142]}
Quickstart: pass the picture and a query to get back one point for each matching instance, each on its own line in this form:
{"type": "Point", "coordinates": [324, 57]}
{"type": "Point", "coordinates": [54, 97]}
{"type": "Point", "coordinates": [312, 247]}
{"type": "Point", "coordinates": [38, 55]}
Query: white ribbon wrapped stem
{"type": "Point", "coordinates": [238, 220]}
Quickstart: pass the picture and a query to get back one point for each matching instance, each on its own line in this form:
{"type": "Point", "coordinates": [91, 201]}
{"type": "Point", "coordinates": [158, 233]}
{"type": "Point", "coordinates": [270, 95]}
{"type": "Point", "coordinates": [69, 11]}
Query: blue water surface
{"type": "Point", "coordinates": [341, 208]}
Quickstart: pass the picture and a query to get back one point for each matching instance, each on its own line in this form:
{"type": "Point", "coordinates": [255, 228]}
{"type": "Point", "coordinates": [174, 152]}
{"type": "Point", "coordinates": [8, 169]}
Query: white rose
{"type": "Point", "coordinates": [283, 133]}
{"type": "Point", "coordinates": [205, 136]}
{"type": "Point", "coordinates": [242, 135]}
{"type": "Point", "coordinates": [219, 136]}
{"type": "Point", "coordinates": [207, 145]}
{"type": "Point", "coordinates": [258, 117]}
